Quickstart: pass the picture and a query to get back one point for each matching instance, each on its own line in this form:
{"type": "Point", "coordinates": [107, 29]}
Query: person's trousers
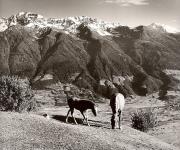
{"type": "Point", "coordinates": [115, 118]}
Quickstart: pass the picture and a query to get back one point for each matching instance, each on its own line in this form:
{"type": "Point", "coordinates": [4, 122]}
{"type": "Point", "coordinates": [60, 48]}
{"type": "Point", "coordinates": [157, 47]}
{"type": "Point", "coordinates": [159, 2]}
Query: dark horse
{"type": "Point", "coordinates": [82, 106]}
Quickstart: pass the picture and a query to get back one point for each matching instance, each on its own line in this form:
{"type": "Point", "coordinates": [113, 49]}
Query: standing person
{"type": "Point", "coordinates": [110, 89]}
{"type": "Point", "coordinates": [67, 91]}
{"type": "Point", "coordinates": [117, 103]}
{"type": "Point", "coordinates": [113, 108]}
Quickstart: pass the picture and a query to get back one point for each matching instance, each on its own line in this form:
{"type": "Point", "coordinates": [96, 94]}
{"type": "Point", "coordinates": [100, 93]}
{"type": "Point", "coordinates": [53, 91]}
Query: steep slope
{"type": "Point", "coordinates": [87, 52]}
{"type": "Point", "coordinates": [146, 43]}
{"type": "Point", "coordinates": [153, 49]}
{"type": "Point", "coordinates": [21, 52]}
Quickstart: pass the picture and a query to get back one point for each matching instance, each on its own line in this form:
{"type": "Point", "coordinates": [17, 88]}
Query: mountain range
{"type": "Point", "coordinates": [87, 52]}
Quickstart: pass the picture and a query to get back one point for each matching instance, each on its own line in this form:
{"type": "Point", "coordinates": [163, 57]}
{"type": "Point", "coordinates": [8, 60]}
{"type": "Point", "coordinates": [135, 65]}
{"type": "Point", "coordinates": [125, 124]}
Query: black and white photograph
{"type": "Point", "coordinates": [89, 74]}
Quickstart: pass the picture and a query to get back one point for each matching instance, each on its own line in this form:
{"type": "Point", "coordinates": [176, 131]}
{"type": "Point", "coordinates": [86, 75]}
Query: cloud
{"type": "Point", "coordinates": [174, 20]}
{"type": "Point", "coordinates": [128, 2]}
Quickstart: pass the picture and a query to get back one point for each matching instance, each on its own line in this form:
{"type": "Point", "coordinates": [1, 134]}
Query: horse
{"type": "Point", "coordinates": [82, 106]}
{"type": "Point", "coordinates": [117, 102]}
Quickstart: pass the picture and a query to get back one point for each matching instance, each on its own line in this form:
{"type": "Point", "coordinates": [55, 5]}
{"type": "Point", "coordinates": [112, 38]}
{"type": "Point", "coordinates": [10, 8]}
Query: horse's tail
{"type": "Point", "coordinates": [94, 110]}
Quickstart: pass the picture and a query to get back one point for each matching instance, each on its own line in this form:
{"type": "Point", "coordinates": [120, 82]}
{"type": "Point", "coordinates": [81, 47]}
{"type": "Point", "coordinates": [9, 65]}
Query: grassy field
{"type": "Point", "coordinates": [33, 131]}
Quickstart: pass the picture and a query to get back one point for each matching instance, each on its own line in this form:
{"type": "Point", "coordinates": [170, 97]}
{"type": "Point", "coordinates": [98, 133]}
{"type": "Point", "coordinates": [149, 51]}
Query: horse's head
{"type": "Point", "coordinates": [70, 100]}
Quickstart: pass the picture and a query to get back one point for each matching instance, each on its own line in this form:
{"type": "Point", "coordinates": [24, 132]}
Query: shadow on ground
{"type": "Point", "coordinates": [79, 121]}
{"type": "Point", "coordinates": [63, 119]}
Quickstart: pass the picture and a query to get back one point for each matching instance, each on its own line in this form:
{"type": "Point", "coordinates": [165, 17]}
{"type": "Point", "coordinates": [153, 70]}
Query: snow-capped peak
{"type": "Point", "coordinates": [163, 27]}
{"type": "Point", "coordinates": [71, 23]}
{"type": "Point", "coordinates": [68, 24]}
{"type": "Point", "coordinates": [30, 15]}
{"type": "Point", "coordinates": [24, 18]}
{"type": "Point", "coordinates": [3, 25]}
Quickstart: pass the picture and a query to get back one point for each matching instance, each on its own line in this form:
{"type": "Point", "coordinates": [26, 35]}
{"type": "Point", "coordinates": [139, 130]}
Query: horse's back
{"type": "Point", "coordinates": [83, 105]}
{"type": "Point", "coordinates": [120, 101]}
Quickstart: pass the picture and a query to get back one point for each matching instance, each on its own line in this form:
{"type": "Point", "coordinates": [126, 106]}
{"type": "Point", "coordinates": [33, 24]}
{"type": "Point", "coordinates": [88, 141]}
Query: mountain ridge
{"type": "Point", "coordinates": [70, 23]}
{"type": "Point", "coordinates": [128, 58]}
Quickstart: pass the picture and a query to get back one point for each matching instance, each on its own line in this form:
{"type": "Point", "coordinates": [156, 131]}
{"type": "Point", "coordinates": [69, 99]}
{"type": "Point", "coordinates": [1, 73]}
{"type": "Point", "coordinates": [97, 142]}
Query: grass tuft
{"type": "Point", "coordinates": [144, 119]}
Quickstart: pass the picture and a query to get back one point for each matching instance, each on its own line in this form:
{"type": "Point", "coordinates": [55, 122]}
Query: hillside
{"type": "Point", "coordinates": [86, 52]}
{"type": "Point", "coordinates": [28, 131]}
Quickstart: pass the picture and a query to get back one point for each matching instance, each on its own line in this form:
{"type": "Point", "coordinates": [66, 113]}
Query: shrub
{"type": "Point", "coordinates": [16, 94]}
{"type": "Point", "coordinates": [162, 94]}
{"type": "Point", "coordinates": [143, 120]}
{"type": "Point", "coordinates": [165, 87]}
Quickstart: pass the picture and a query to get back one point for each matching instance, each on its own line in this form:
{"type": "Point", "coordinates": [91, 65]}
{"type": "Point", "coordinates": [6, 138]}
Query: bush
{"type": "Point", "coordinates": [165, 87]}
{"type": "Point", "coordinates": [16, 94]}
{"type": "Point", "coordinates": [143, 120]}
{"type": "Point", "coordinates": [163, 94]}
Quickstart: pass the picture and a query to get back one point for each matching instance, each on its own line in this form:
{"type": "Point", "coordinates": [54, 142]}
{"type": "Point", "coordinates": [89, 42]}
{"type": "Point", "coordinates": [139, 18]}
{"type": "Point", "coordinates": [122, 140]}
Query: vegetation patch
{"type": "Point", "coordinates": [16, 94]}
{"type": "Point", "coordinates": [144, 119]}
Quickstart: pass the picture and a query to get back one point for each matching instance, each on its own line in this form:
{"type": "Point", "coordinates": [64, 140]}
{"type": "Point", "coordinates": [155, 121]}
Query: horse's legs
{"type": "Point", "coordinates": [67, 115]}
{"type": "Point", "coordinates": [113, 120]}
{"type": "Point", "coordinates": [119, 116]}
{"type": "Point", "coordinates": [85, 118]}
{"type": "Point", "coordinates": [72, 111]}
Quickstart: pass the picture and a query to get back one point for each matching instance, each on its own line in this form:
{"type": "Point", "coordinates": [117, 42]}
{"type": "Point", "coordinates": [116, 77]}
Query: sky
{"type": "Point", "coordinates": [126, 12]}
